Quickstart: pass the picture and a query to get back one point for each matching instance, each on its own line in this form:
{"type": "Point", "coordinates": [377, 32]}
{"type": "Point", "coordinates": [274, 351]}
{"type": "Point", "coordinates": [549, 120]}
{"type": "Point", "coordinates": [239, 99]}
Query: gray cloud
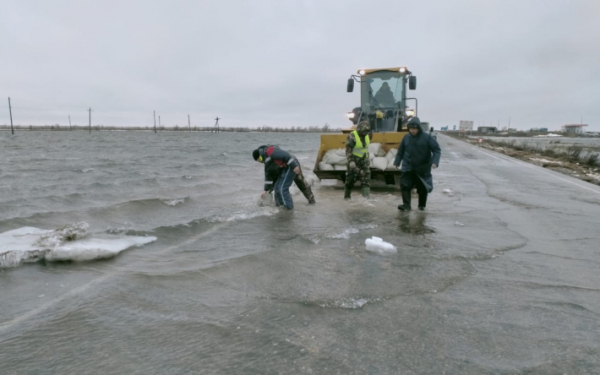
{"type": "Point", "coordinates": [286, 63]}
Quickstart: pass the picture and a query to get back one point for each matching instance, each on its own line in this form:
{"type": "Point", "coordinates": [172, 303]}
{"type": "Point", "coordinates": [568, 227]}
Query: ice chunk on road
{"type": "Point", "coordinates": [379, 246]}
{"type": "Point", "coordinates": [29, 244]}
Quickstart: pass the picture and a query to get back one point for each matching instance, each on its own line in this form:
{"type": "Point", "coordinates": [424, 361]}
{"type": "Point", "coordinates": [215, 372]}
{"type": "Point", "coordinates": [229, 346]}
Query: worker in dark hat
{"type": "Point", "coordinates": [281, 169]}
{"type": "Point", "coordinates": [419, 153]}
{"type": "Point", "coordinates": [357, 160]}
{"type": "Point", "coordinates": [384, 96]}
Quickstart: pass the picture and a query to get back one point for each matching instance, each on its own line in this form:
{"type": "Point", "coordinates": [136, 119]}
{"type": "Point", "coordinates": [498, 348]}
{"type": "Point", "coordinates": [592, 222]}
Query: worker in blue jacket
{"type": "Point", "coordinates": [281, 169]}
{"type": "Point", "coordinates": [419, 153]}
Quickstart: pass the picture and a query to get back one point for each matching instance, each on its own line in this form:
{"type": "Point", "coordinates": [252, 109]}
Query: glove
{"type": "Point", "coordinates": [352, 165]}
{"type": "Point", "coordinates": [433, 166]}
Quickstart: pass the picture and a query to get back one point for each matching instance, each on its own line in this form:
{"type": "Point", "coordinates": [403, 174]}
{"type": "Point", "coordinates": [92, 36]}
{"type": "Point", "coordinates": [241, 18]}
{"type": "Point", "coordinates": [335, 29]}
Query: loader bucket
{"type": "Point", "coordinates": [388, 141]}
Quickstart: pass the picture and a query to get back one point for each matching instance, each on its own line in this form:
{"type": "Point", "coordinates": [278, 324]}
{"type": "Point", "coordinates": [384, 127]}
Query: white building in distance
{"type": "Point", "coordinates": [465, 125]}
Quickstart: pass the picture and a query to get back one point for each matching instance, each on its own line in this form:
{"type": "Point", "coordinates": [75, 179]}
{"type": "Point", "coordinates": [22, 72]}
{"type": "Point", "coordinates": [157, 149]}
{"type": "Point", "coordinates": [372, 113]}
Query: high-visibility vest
{"type": "Point", "coordinates": [359, 149]}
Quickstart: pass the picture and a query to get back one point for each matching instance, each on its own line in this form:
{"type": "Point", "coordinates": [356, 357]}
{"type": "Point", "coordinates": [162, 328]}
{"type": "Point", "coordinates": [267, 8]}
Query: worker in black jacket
{"type": "Point", "coordinates": [419, 152]}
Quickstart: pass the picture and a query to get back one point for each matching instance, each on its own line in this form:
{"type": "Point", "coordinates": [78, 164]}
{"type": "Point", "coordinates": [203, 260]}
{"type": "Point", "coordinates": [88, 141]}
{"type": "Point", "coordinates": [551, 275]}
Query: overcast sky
{"type": "Point", "coordinates": [286, 63]}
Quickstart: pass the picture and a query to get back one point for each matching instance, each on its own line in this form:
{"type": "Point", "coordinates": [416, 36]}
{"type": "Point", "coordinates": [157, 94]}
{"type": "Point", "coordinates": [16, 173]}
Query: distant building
{"type": "Point", "coordinates": [465, 125]}
{"type": "Point", "coordinates": [444, 128]}
{"type": "Point", "coordinates": [486, 129]}
{"type": "Point", "coordinates": [573, 128]}
{"type": "Point", "coordinates": [543, 130]}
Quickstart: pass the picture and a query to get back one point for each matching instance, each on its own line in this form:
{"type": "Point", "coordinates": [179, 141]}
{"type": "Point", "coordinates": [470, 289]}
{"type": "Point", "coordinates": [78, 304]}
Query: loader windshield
{"type": "Point", "coordinates": [381, 89]}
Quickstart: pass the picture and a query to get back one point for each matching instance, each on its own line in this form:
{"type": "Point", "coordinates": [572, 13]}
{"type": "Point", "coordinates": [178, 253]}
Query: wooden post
{"type": "Point", "coordinates": [155, 121]}
{"type": "Point", "coordinates": [12, 129]}
{"type": "Point", "coordinates": [70, 122]}
{"type": "Point", "coordinates": [189, 123]}
{"type": "Point", "coordinates": [90, 111]}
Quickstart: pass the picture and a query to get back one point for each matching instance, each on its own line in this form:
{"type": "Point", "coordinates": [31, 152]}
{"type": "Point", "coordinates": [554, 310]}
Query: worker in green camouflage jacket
{"type": "Point", "coordinates": [357, 156]}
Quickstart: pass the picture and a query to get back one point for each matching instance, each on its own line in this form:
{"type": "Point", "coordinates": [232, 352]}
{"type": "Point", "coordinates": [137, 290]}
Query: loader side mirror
{"type": "Point", "coordinates": [350, 86]}
{"type": "Point", "coordinates": [412, 83]}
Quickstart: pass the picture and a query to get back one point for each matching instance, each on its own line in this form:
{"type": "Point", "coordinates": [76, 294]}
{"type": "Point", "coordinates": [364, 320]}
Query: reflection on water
{"type": "Point", "coordinates": [414, 223]}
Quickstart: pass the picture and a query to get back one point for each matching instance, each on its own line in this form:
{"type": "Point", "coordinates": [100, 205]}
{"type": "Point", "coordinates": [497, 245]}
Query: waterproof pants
{"type": "Point", "coordinates": [304, 187]}
{"type": "Point", "coordinates": [282, 188]}
{"type": "Point", "coordinates": [411, 179]}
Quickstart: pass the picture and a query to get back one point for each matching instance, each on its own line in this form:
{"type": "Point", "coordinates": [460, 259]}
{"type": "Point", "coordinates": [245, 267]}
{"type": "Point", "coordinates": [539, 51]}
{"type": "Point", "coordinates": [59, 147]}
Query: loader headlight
{"type": "Point", "coordinates": [410, 112]}
{"type": "Point", "coordinates": [350, 115]}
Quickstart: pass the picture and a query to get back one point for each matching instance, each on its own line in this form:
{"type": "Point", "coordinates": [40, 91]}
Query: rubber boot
{"type": "Point", "coordinates": [422, 201]}
{"type": "Point", "coordinates": [366, 191]}
{"type": "Point", "coordinates": [405, 206]}
{"type": "Point", "coordinates": [347, 193]}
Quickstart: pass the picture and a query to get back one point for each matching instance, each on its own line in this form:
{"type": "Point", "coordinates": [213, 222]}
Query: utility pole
{"type": "Point", "coordinates": [12, 129]}
{"type": "Point", "coordinates": [70, 122]}
{"type": "Point", "coordinates": [189, 124]}
{"type": "Point", "coordinates": [154, 121]}
{"type": "Point", "coordinates": [216, 127]}
{"type": "Point", "coordinates": [90, 111]}
{"type": "Point", "coordinates": [159, 121]}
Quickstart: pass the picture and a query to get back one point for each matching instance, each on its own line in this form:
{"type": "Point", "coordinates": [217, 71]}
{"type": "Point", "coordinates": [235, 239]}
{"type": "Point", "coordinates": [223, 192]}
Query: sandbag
{"type": "Point", "coordinates": [340, 167]}
{"type": "Point", "coordinates": [335, 157]}
{"type": "Point", "coordinates": [391, 166]}
{"type": "Point", "coordinates": [325, 167]}
{"type": "Point", "coordinates": [375, 149]}
{"type": "Point", "coordinates": [380, 163]}
{"type": "Point", "coordinates": [267, 201]}
{"type": "Point", "coordinates": [391, 154]}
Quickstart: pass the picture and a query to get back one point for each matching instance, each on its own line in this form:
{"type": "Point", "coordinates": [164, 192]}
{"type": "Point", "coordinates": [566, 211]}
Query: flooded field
{"type": "Point", "coordinates": [497, 276]}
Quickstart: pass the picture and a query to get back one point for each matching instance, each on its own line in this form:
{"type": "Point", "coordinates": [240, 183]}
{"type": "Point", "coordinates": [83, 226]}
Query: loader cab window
{"type": "Point", "coordinates": [381, 90]}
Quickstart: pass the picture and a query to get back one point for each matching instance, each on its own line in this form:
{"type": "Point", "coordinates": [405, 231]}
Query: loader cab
{"type": "Point", "coordinates": [382, 97]}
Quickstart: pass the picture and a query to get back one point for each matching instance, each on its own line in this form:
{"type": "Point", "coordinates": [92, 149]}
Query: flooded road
{"type": "Point", "coordinates": [498, 276]}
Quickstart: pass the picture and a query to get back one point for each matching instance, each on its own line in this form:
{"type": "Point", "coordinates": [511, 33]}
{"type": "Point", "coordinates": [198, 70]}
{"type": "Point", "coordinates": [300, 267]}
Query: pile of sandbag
{"type": "Point", "coordinates": [335, 159]}
{"type": "Point", "coordinates": [380, 159]}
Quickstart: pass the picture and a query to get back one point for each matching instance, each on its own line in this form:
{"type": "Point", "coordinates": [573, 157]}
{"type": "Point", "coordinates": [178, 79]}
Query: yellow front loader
{"type": "Point", "coordinates": [382, 103]}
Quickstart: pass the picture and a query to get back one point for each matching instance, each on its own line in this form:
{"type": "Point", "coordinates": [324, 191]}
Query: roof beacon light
{"type": "Point", "coordinates": [410, 112]}
{"type": "Point", "coordinates": [361, 72]}
{"type": "Point", "coordinates": [402, 70]}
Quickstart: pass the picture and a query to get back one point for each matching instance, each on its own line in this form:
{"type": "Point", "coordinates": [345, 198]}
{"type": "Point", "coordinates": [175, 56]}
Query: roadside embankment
{"type": "Point", "coordinates": [579, 161]}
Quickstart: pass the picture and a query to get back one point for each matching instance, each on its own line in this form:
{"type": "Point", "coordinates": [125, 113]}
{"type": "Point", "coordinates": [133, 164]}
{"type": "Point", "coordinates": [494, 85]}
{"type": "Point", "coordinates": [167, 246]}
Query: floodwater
{"type": "Point", "coordinates": [498, 276]}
